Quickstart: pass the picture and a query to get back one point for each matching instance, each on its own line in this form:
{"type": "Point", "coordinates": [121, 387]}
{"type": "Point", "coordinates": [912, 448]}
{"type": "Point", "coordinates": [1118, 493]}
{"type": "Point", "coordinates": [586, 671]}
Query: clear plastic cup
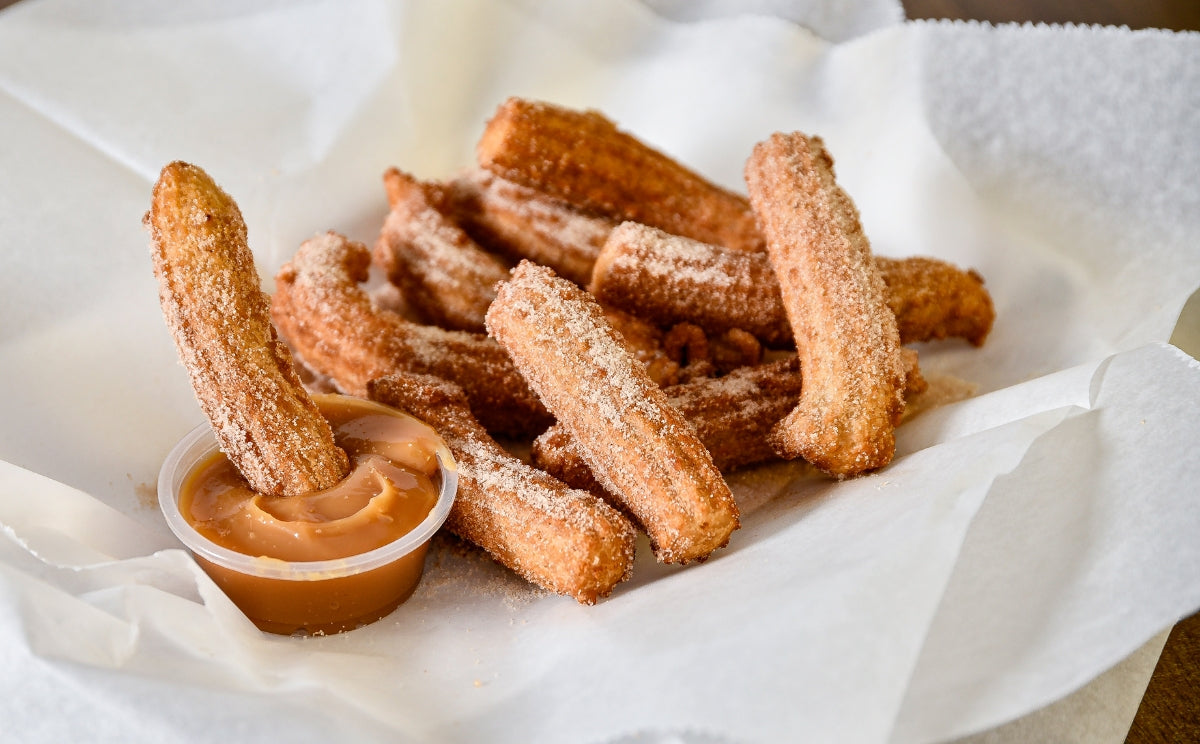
{"type": "Point", "coordinates": [288, 597]}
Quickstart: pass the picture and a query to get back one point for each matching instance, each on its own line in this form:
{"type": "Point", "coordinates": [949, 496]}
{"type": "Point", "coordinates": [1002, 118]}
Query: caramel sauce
{"type": "Point", "coordinates": [373, 506]}
{"type": "Point", "coordinates": [388, 492]}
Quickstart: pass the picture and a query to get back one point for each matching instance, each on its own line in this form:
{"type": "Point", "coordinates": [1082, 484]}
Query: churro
{"type": "Point", "coordinates": [914, 382]}
{"type": "Point", "coordinates": [670, 279]}
{"type": "Point", "coordinates": [645, 342]}
{"type": "Point", "coordinates": [732, 415]}
{"type": "Point", "coordinates": [560, 538]}
{"type": "Point", "coordinates": [442, 274]}
{"type": "Point", "coordinates": [687, 345]}
{"type": "Point", "coordinates": [700, 353]}
{"type": "Point", "coordinates": [243, 377]}
{"type": "Point", "coordinates": [518, 222]}
{"type": "Point", "coordinates": [835, 300]}
{"type": "Point", "coordinates": [733, 349]}
{"type": "Point", "coordinates": [330, 321]}
{"type": "Point", "coordinates": [639, 448]}
{"type": "Point", "coordinates": [554, 452]}
{"type": "Point", "coordinates": [582, 158]}
{"type": "Point", "coordinates": [935, 300]}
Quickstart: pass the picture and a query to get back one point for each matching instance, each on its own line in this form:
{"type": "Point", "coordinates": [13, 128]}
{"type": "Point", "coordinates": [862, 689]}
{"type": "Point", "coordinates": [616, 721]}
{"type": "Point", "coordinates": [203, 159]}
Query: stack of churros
{"type": "Point", "coordinates": [640, 329]}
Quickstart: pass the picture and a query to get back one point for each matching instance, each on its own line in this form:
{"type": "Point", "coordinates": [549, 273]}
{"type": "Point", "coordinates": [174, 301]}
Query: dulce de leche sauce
{"type": "Point", "coordinates": [389, 491]}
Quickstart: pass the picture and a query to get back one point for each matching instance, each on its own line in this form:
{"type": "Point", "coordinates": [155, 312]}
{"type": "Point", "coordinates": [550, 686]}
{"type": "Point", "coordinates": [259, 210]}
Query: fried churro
{"type": "Point", "coordinates": [935, 300]}
{"type": "Point", "coordinates": [264, 420]}
{"type": "Point", "coordinates": [442, 274]}
{"type": "Point", "coordinates": [914, 382]}
{"type": "Point", "coordinates": [733, 415]}
{"type": "Point", "coordinates": [562, 539]}
{"type": "Point", "coordinates": [645, 342]}
{"type": "Point", "coordinates": [835, 300]}
{"type": "Point", "coordinates": [639, 448]}
{"type": "Point", "coordinates": [518, 222]}
{"type": "Point", "coordinates": [554, 452]}
{"type": "Point", "coordinates": [582, 158]}
{"type": "Point", "coordinates": [669, 279]}
{"type": "Point", "coordinates": [700, 353]}
{"type": "Point", "coordinates": [330, 321]}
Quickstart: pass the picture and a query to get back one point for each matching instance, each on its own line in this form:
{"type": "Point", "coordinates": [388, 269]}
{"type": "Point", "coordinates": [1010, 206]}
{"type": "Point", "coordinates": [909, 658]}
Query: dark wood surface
{"type": "Point", "coordinates": [1176, 15]}
{"type": "Point", "coordinates": [1170, 709]}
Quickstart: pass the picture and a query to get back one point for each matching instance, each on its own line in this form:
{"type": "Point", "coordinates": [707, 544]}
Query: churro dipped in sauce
{"type": "Point", "coordinates": [388, 492]}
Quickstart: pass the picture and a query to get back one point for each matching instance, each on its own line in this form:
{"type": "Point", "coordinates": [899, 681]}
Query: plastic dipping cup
{"type": "Point", "coordinates": [314, 597]}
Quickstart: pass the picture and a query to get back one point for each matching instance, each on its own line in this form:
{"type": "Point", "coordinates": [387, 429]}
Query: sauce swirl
{"type": "Point", "coordinates": [387, 494]}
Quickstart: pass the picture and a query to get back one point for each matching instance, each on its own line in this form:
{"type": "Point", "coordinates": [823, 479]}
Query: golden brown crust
{"type": "Point", "coordinates": [834, 296]}
{"type": "Point", "coordinates": [562, 539]}
{"type": "Point", "coordinates": [684, 351]}
{"type": "Point", "coordinates": [582, 158]}
{"type": "Point", "coordinates": [554, 451]}
{"type": "Point", "coordinates": [639, 447]}
{"type": "Point", "coordinates": [914, 382]}
{"type": "Point", "coordinates": [701, 354]}
{"type": "Point", "coordinates": [329, 319]}
{"type": "Point", "coordinates": [645, 342]}
{"type": "Point", "coordinates": [669, 279]}
{"type": "Point", "coordinates": [443, 275]}
{"type": "Point", "coordinates": [934, 300]}
{"type": "Point", "coordinates": [732, 415]}
{"type": "Point", "coordinates": [519, 222]}
{"type": "Point", "coordinates": [686, 344]}
{"type": "Point", "coordinates": [733, 349]}
{"type": "Point", "coordinates": [243, 376]}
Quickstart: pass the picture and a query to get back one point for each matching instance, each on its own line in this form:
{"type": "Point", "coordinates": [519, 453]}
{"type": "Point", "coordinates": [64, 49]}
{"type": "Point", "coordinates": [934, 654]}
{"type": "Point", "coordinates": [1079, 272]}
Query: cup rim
{"type": "Point", "coordinates": [201, 442]}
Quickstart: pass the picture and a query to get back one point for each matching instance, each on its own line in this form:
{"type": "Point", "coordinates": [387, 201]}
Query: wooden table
{"type": "Point", "coordinates": [1177, 15]}
{"type": "Point", "coordinates": [1170, 709]}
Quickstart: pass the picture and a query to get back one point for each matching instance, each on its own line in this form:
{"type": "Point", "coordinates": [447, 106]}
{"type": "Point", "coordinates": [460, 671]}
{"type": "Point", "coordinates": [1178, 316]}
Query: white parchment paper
{"type": "Point", "coordinates": [1022, 542]}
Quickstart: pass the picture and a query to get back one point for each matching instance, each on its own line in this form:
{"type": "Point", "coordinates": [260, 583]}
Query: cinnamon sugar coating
{"type": "Point", "coordinates": [582, 158]}
{"type": "Point", "coordinates": [243, 377]}
{"type": "Point", "coordinates": [639, 448]}
{"type": "Point", "coordinates": [733, 415]}
{"type": "Point", "coordinates": [835, 300]}
{"type": "Point", "coordinates": [670, 279]}
{"type": "Point", "coordinates": [934, 300]}
{"type": "Point", "coordinates": [330, 320]}
{"type": "Point", "coordinates": [554, 452]}
{"type": "Point", "coordinates": [687, 344]}
{"type": "Point", "coordinates": [443, 275]}
{"type": "Point", "coordinates": [518, 222]}
{"type": "Point", "coordinates": [702, 354]}
{"type": "Point", "coordinates": [645, 342]}
{"type": "Point", "coordinates": [562, 539]}
{"type": "Point", "coordinates": [914, 382]}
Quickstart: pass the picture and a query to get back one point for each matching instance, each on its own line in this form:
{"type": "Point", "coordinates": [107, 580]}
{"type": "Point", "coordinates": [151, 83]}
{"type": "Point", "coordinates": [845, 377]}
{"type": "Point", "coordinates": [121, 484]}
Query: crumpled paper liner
{"type": "Point", "coordinates": [1023, 541]}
